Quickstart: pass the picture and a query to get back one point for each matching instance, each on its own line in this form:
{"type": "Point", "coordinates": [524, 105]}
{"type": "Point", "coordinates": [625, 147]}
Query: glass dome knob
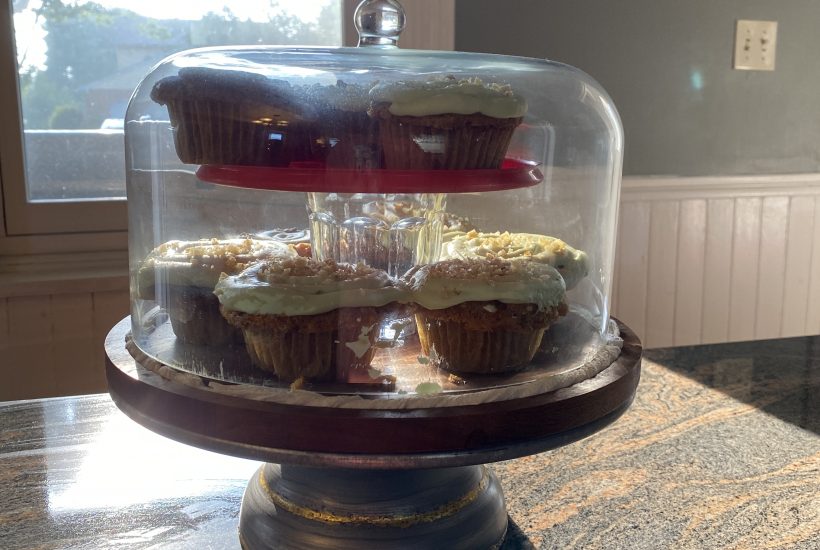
{"type": "Point", "coordinates": [379, 22]}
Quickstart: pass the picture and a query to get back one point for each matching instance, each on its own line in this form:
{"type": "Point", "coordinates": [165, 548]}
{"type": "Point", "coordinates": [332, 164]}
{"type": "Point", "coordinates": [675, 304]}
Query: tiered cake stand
{"type": "Point", "coordinates": [369, 477]}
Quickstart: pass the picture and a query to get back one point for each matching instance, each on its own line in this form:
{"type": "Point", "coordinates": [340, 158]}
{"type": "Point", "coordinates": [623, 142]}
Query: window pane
{"type": "Point", "coordinates": [79, 62]}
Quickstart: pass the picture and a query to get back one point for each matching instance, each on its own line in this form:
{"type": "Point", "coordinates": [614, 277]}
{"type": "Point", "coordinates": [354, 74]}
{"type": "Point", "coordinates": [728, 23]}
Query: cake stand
{"type": "Point", "coordinates": [369, 477]}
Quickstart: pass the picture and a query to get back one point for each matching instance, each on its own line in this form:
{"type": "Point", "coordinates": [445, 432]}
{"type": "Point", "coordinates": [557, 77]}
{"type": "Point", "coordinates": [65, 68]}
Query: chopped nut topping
{"type": "Point", "coordinates": [470, 269]}
{"type": "Point", "coordinates": [222, 256]}
{"type": "Point", "coordinates": [503, 245]}
{"type": "Point", "coordinates": [277, 269]}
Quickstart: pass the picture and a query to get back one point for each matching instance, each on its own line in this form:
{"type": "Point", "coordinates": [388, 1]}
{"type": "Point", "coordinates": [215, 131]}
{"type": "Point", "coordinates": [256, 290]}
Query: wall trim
{"type": "Point", "coordinates": [652, 188]}
{"type": "Point", "coordinates": [47, 274]}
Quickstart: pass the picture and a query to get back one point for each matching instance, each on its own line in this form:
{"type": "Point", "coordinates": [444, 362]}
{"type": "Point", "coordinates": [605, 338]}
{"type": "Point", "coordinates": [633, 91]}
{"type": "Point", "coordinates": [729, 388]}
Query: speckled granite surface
{"type": "Point", "coordinates": [719, 450]}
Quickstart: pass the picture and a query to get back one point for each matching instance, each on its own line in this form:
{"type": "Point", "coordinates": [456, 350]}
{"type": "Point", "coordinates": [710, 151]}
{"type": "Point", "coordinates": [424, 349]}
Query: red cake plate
{"type": "Point", "coordinates": [316, 177]}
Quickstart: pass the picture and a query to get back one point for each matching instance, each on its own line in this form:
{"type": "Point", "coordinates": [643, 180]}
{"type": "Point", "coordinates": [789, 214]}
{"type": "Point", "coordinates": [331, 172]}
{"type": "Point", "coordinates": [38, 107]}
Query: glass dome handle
{"type": "Point", "coordinates": [379, 22]}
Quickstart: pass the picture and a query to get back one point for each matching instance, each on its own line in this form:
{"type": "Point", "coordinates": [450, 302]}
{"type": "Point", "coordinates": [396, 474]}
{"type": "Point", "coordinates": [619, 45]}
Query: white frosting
{"type": "Point", "coordinates": [199, 263]}
{"type": "Point", "coordinates": [449, 96]}
{"type": "Point", "coordinates": [275, 288]}
{"type": "Point", "coordinates": [523, 283]}
{"type": "Point", "coordinates": [572, 264]}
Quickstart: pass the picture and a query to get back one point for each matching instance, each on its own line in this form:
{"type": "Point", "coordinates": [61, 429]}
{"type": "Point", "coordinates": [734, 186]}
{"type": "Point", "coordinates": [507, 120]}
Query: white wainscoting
{"type": "Point", "coordinates": [54, 316]}
{"type": "Point", "coordinates": [703, 260]}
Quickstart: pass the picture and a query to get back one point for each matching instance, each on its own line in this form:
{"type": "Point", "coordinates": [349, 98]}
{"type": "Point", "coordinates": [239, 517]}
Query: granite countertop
{"type": "Point", "coordinates": [719, 450]}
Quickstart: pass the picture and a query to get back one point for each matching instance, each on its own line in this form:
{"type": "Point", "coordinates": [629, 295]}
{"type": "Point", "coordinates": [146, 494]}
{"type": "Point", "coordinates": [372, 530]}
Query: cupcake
{"type": "Point", "coordinates": [572, 264]}
{"type": "Point", "coordinates": [237, 118]}
{"type": "Point", "coordinates": [484, 316]}
{"type": "Point", "coordinates": [351, 134]}
{"type": "Point", "coordinates": [445, 123]}
{"type": "Point", "coordinates": [310, 319]}
{"type": "Point", "coordinates": [181, 276]}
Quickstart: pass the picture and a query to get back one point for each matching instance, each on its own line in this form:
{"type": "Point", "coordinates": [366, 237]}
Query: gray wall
{"type": "Point", "coordinates": [668, 67]}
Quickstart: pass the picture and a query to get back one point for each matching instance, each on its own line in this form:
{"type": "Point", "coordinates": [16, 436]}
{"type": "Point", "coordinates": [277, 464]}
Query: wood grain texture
{"type": "Point", "coordinates": [4, 329]}
{"type": "Point", "coordinates": [256, 428]}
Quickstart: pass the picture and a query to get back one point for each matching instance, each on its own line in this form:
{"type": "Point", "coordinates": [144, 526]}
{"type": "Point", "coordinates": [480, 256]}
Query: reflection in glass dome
{"type": "Point", "coordinates": [371, 221]}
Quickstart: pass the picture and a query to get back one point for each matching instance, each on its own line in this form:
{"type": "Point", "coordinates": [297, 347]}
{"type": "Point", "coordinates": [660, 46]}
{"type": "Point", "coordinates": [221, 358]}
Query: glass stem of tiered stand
{"type": "Point", "coordinates": [392, 232]}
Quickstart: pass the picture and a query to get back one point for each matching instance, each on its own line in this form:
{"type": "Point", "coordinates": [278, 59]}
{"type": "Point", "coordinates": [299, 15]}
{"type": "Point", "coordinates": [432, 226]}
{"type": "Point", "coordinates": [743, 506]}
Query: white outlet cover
{"type": "Point", "coordinates": [755, 45]}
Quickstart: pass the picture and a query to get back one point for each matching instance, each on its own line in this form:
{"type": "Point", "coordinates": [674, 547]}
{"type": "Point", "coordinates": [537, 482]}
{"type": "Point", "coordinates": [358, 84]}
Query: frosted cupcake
{"type": "Point", "coordinates": [445, 123]}
{"type": "Point", "coordinates": [237, 118]}
{"type": "Point", "coordinates": [572, 264]}
{"type": "Point", "coordinates": [309, 318]}
{"type": "Point", "coordinates": [485, 316]}
{"type": "Point", "coordinates": [181, 276]}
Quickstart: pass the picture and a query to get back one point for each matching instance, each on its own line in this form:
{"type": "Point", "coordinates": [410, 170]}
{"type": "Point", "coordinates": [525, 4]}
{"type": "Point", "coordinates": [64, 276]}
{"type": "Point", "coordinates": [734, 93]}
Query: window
{"type": "Point", "coordinates": [77, 63]}
{"type": "Point", "coordinates": [67, 70]}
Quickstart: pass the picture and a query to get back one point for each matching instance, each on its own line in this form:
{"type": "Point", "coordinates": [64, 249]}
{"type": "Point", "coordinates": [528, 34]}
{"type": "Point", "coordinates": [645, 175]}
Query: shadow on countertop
{"type": "Point", "coordinates": [515, 538]}
{"type": "Point", "coordinates": [780, 377]}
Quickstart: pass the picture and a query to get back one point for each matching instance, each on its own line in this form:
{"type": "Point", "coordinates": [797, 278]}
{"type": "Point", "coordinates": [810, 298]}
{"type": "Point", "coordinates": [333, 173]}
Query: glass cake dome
{"type": "Point", "coordinates": [371, 221]}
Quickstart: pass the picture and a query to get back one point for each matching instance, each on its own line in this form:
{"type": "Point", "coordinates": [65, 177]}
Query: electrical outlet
{"type": "Point", "coordinates": [755, 43]}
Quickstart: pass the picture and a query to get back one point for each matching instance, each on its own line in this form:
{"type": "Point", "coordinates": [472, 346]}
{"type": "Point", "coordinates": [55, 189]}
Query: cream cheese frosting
{"type": "Point", "coordinates": [449, 95]}
{"type": "Point", "coordinates": [301, 286]}
{"type": "Point", "coordinates": [572, 264]}
{"type": "Point", "coordinates": [200, 262]}
{"type": "Point", "coordinates": [451, 282]}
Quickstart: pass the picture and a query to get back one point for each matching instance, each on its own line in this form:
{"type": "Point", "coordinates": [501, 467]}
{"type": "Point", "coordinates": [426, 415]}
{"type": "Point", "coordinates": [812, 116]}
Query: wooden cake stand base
{"type": "Point", "coordinates": [371, 478]}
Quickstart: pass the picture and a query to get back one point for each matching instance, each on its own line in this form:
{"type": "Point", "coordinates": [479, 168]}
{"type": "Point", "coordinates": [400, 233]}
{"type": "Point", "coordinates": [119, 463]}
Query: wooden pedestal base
{"type": "Point", "coordinates": [295, 507]}
{"type": "Point", "coordinates": [368, 477]}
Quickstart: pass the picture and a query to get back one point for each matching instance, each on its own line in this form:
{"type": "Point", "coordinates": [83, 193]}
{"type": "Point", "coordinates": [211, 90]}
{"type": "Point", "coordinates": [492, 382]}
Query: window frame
{"type": "Point", "coordinates": [22, 218]}
{"type": "Point", "coordinates": [101, 224]}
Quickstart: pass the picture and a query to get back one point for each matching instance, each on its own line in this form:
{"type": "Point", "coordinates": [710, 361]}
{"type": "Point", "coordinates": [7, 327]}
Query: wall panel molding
{"type": "Point", "coordinates": [722, 258]}
{"type": "Point", "coordinates": [645, 188]}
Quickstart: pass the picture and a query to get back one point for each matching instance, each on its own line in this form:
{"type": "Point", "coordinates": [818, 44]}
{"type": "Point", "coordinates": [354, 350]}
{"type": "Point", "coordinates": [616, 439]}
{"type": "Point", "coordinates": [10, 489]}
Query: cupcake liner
{"type": "Point", "coordinates": [195, 318]}
{"type": "Point", "coordinates": [212, 132]}
{"type": "Point", "coordinates": [311, 346]}
{"type": "Point", "coordinates": [455, 349]}
{"type": "Point", "coordinates": [293, 354]}
{"type": "Point", "coordinates": [444, 142]}
{"type": "Point", "coordinates": [469, 339]}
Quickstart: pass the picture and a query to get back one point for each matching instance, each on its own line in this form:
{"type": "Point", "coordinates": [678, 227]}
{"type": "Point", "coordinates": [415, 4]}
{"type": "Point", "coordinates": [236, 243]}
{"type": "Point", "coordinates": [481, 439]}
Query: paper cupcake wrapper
{"type": "Point", "coordinates": [316, 356]}
{"type": "Point", "coordinates": [210, 132]}
{"type": "Point", "coordinates": [445, 142]}
{"type": "Point", "coordinates": [195, 318]}
{"type": "Point", "coordinates": [292, 354]}
{"type": "Point", "coordinates": [451, 347]}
